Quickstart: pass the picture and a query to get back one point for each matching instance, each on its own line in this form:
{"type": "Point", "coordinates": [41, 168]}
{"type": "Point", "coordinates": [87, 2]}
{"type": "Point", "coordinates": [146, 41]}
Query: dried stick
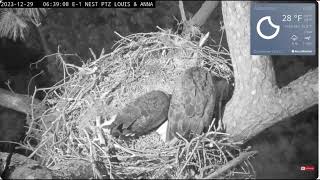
{"type": "Point", "coordinates": [233, 163]}
{"type": "Point", "coordinates": [183, 14]}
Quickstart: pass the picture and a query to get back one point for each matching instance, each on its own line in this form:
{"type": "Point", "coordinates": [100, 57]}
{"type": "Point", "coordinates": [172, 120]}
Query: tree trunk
{"type": "Point", "coordinates": [257, 102]}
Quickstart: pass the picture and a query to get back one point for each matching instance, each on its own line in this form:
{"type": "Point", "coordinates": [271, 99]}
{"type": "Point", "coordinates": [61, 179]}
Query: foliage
{"type": "Point", "coordinates": [14, 21]}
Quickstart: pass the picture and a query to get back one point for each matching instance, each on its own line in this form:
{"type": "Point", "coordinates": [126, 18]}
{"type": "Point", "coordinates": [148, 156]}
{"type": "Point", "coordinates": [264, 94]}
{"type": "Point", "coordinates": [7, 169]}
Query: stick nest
{"type": "Point", "coordinates": [70, 128]}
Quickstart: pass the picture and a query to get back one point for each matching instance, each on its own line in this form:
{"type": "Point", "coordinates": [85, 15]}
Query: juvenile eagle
{"type": "Point", "coordinates": [192, 104]}
{"type": "Point", "coordinates": [141, 116]}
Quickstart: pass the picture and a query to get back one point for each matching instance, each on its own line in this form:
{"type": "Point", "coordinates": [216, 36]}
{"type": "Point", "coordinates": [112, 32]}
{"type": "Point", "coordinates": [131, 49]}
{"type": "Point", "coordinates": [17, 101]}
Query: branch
{"type": "Point", "coordinates": [300, 94]}
{"type": "Point", "coordinates": [203, 13]}
{"type": "Point", "coordinates": [288, 101]}
{"type": "Point", "coordinates": [183, 14]}
{"type": "Point", "coordinates": [231, 164]}
{"type": "Point", "coordinates": [17, 102]}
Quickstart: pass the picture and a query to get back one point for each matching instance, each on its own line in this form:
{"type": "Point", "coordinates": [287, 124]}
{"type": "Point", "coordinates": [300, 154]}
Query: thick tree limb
{"type": "Point", "coordinates": [300, 94]}
{"type": "Point", "coordinates": [250, 117]}
{"type": "Point", "coordinates": [203, 13]}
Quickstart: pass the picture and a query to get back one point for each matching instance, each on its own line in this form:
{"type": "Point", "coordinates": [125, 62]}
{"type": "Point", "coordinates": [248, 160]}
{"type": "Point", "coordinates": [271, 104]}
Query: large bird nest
{"type": "Point", "coordinates": [71, 128]}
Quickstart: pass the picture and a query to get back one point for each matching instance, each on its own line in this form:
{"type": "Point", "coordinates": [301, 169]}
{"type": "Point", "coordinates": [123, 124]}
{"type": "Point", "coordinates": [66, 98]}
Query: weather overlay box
{"type": "Point", "coordinates": [283, 28]}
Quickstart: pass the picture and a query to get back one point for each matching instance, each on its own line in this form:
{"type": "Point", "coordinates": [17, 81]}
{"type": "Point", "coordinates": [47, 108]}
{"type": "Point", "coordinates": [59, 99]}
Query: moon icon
{"type": "Point", "coordinates": [277, 27]}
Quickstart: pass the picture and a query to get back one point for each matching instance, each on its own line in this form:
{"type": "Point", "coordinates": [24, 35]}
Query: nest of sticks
{"type": "Point", "coordinates": [71, 127]}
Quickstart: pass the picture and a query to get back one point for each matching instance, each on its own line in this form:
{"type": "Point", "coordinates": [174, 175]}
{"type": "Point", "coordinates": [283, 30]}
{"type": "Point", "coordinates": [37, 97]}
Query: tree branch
{"type": "Point", "coordinates": [203, 13]}
{"type": "Point", "coordinates": [288, 101]}
{"type": "Point", "coordinates": [183, 14]}
{"type": "Point", "coordinates": [17, 102]}
{"type": "Point", "coordinates": [303, 90]}
{"type": "Point", "coordinates": [231, 164]}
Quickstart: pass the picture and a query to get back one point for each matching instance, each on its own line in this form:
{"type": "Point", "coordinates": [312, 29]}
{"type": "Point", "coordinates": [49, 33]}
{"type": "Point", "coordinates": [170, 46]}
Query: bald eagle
{"type": "Point", "coordinates": [144, 114]}
{"type": "Point", "coordinates": [192, 104]}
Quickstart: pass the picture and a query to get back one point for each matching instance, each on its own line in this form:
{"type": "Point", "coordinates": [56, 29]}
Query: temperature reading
{"type": "Point", "coordinates": [289, 18]}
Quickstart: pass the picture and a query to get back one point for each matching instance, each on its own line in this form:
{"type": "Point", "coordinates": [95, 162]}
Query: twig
{"type": "Point", "coordinates": [190, 156]}
{"type": "Point", "coordinates": [183, 14]}
{"type": "Point", "coordinates": [231, 164]}
{"type": "Point", "coordinates": [92, 159]}
{"type": "Point", "coordinates": [8, 84]}
{"type": "Point", "coordinates": [40, 145]}
{"type": "Point", "coordinates": [123, 37]}
{"type": "Point", "coordinates": [102, 141]}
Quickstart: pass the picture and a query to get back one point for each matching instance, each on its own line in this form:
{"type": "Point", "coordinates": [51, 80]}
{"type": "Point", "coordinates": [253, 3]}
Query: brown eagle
{"type": "Point", "coordinates": [144, 114]}
{"type": "Point", "coordinates": [192, 104]}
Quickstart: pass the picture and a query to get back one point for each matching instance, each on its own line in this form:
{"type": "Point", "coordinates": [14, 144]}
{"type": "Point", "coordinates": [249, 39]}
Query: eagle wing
{"type": "Point", "coordinates": [143, 115]}
{"type": "Point", "coordinates": [192, 104]}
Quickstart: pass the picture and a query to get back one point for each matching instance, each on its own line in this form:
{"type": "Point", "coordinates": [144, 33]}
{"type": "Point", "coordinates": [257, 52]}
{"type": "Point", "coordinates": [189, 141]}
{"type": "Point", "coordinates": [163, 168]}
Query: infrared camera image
{"type": "Point", "coordinates": [157, 89]}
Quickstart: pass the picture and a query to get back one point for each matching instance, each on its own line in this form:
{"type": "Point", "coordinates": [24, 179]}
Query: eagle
{"type": "Point", "coordinates": [141, 116]}
{"type": "Point", "coordinates": [192, 104]}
